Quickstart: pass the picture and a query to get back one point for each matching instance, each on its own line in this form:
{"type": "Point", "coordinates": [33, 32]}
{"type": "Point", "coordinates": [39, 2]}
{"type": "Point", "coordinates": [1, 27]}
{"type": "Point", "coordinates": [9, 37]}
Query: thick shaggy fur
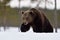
{"type": "Point", "coordinates": [40, 23]}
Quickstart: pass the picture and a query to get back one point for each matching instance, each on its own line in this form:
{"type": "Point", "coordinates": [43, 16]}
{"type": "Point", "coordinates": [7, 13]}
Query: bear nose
{"type": "Point", "coordinates": [27, 18]}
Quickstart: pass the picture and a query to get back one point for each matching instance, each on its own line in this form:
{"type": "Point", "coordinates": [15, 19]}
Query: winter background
{"type": "Point", "coordinates": [13, 33]}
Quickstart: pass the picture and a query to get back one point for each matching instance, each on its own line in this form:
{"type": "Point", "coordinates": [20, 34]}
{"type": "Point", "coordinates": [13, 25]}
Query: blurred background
{"type": "Point", "coordinates": [10, 11]}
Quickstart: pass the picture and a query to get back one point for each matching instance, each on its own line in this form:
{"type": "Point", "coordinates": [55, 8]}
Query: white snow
{"type": "Point", "coordinates": [27, 3]}
{"type": "Point", "coordinates": [13, 34]}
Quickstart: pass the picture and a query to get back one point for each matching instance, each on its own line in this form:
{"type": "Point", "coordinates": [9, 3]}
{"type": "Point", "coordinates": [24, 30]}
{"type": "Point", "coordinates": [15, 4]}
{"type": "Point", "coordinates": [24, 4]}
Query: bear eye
{"type": "Point", "coordinates": [31, 13]}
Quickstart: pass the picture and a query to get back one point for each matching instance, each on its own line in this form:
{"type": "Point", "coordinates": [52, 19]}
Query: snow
{"type": "Point", "coordinates": [13, 34]}
{"type": "Point", "coordinates": [27, 3]}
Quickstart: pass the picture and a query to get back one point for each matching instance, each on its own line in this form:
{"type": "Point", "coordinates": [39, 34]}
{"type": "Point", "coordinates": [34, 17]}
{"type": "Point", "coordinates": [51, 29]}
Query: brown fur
{"type": "Point", "coordinates": [40, 22]}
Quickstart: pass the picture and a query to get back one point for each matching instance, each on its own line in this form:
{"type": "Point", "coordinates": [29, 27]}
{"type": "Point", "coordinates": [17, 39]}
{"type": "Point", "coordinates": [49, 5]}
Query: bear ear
{"type": "Point", "coordinates": [22, 12]}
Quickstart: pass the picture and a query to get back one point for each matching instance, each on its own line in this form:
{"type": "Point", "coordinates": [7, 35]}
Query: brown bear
{"type": "Point", "coordinates": [37, 20]}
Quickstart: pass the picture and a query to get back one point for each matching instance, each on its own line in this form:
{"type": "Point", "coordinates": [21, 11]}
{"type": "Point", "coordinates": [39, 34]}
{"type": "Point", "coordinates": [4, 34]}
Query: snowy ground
{"type": "Point", "coordinates": [13, 34]}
